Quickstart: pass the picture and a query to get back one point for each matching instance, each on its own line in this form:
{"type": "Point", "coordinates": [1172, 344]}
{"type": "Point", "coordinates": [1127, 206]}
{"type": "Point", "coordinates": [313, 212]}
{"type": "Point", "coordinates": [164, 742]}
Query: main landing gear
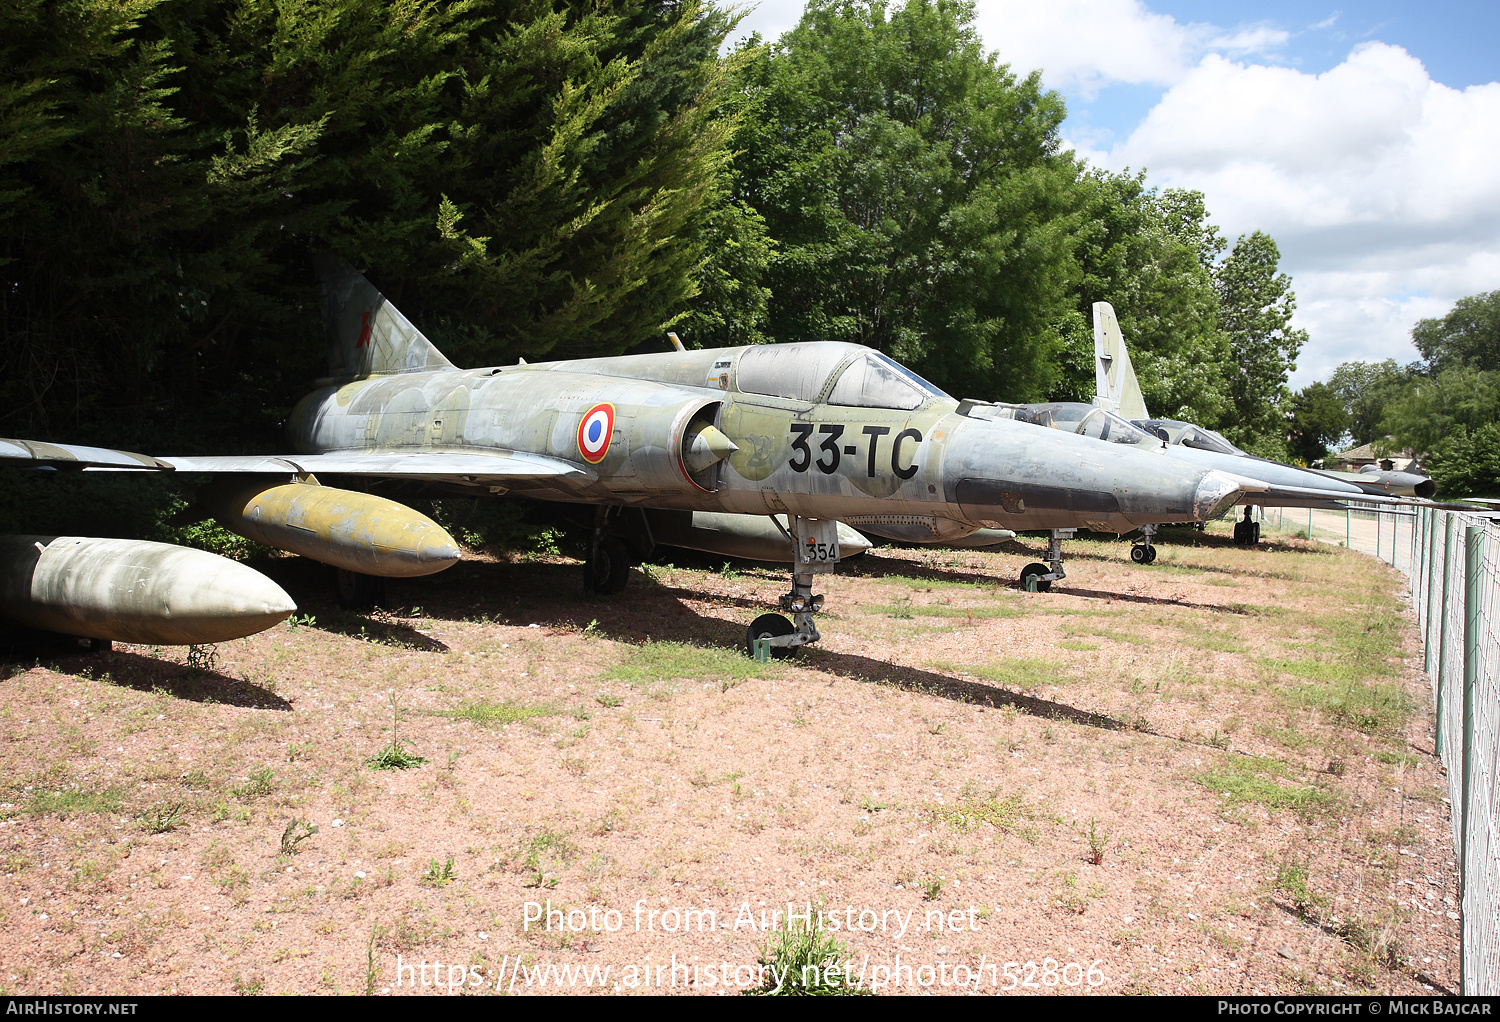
{"type": "Point", "coordinates": [1038, 577]}
{"type": "Point", "coordinates": [1141, 551]}
{"type": "Point", "coordinates": [815, 549]}
{"type": "Point", "coordinates": [358, 591]}
{"type": "Point", "coordinates": [606, 569]}
{"type": "Point", "coordinates": [1246, 532]}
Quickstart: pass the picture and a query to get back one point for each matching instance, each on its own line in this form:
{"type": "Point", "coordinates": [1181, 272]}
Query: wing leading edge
{"type": "Point", "coordinates": [459, 466]}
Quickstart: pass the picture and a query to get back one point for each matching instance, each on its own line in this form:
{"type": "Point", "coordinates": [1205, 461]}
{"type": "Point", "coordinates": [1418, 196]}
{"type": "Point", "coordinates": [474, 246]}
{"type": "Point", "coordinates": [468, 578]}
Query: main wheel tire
{"type": "Point", "coordinates": [1037, 569]}
{"type": "Point", "coordinates": [1151, 555]}
{"type": "Point", "coordinates": [608, 570]}
{"type": "Point", "coordinates": [1239, 533]}
{"type": "Point", "coordinates": [770, 626]}
{"type": "Point", "coordinates": [1140, 554]}
{"type": "Point", "coordinates": [1255, 534]}
{"type": "Point", "coordinates": [358, 591]}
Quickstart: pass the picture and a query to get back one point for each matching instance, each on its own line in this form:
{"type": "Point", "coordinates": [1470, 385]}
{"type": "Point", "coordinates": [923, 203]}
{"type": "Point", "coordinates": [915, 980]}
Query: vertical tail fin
{"type": "Point", "coordinates": [1115, 384]}
{"type": "Point", "coordinates": [367, 335]}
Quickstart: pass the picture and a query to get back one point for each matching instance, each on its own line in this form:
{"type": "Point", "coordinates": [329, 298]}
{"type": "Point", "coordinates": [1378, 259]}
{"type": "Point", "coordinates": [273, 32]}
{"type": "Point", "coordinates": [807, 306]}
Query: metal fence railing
{"type": "Point", "coordinates": [1452, 560]}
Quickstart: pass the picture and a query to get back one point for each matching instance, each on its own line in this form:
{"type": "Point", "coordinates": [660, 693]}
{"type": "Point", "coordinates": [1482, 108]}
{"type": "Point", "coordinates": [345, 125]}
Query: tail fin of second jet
{"type": "Point", "coordinates": [1116, 388]}
{"type": "Point", "coordinates": [367, 335]}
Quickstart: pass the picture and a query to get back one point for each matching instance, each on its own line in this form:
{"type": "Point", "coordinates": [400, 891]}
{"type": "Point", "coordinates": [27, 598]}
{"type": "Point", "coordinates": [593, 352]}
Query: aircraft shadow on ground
{"type": "Point", "coordinates": [150, 674]}
{"type": "Point", "coordinates": [1150, 601]}
{"type": "Point", "coordinates": [661, 613]}
{"type": "Point", "coordinates": [373, 629]}
{"type": "Point", "coordinates": [551, 595]}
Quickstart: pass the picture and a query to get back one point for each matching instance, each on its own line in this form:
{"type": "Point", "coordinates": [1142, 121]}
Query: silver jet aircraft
{"type": "Point", "coordinates": [819, 431]}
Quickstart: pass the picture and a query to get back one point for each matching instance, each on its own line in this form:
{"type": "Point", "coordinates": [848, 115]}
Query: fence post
{"type": "Point", "coordinates": [1429, 661]}
{"type": "Point", "coordinates": [1418, 590]}
{"type": "Point", "coordinates": [1378, 524]}
{"type": "Point", "coordinates": [1347, 514]}
{"type": "Point", "coordinates": [1473, 544]}
{"type": "Point", "coordinates": [1442, 664]}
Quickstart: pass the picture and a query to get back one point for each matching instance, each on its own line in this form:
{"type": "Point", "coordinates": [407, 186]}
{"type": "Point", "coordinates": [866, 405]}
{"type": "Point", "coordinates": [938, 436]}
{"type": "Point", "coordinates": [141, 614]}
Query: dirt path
{"type": "Point", "coordinates": [1212, 774]}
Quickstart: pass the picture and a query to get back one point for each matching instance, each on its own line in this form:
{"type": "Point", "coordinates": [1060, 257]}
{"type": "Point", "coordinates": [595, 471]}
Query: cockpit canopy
{"type": "Point", "coordinates": [863, 378]}
{"type": "Point", "coordinates": [1174, 431]}
{"type": "Point", "coordinates": [1085, 420]}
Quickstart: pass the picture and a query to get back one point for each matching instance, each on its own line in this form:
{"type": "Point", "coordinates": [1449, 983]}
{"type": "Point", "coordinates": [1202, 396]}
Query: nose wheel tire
{"type": "Point", "coordinates": [1036, 570]}
{"type": "Point", "coordinates": [1142, 554]}
{"type": "Point", "coordinates": [770, 626]}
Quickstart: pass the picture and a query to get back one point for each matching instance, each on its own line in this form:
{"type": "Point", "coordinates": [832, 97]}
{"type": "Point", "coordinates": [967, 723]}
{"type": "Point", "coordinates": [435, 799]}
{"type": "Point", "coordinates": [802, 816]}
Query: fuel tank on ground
{"type": "Point", "coordinates": [134, 591]}
{"type": "Point", "coordinates": [744, 537]}
{"type": "Point", "coordinates": [355, 531]}
{"type": "Point", "coordinates": [1050, 479]}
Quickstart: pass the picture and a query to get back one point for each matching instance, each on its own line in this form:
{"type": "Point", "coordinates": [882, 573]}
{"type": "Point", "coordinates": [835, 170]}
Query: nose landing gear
{"type": "Point", "coordinates": [1142, 551]}
{"type": "Point", "coordinates": [1038, 577]}
{"type": "Point", "coordinates": [815, 548]}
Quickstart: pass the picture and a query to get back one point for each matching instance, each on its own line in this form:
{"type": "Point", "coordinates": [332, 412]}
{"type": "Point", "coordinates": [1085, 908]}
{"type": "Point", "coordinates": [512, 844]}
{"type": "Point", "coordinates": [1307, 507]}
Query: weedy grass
{"type": "Point", "coordinates": [1021, 673]}
{"type": "Point", "coordinates": [492, 714]}
{"type": "Point", "coordinates": [907, 609]}
{"type": "Point", "coordinates": [544, 854]}
{"type": "Point", "coordinates": [76, 802]}
{"type": "Point", "coordinates": [800, 962]}
{"type": "Point", "coordinates": [1348, 692]}
{"type": "Point", "coordinates": [666, 661]}
{"type": "Point", "coordinates": [1253, 779]}
{"type": "Point", "coordinates": [162, 817]}
{"type": "Point", "coordinates": [1010, 814]}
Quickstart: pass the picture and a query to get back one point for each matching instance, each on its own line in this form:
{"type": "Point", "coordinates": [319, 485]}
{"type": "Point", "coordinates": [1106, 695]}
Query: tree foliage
{"type": "Point", "coordinates": [915, 191]}
{"type": "Point", "coordinates": [524, 178]}
{"type": "Point", "coordinates": [561, 178]}
{"type": "Point", "coordinates": [1150, 254]}
{"type": "Point", "coordinates": [1365, 389]}
{"type": "Point", "coordinates": [1468, 336]}
{"type": "Point", "coordinates": [1255, 312]}
{"type": "Point", "coordinates": [1318, 420]}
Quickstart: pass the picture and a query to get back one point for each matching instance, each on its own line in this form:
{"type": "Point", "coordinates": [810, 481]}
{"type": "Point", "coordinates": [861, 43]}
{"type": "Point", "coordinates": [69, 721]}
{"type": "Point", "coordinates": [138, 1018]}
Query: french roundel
{"type": "Point", "coordinates": [594, 431]}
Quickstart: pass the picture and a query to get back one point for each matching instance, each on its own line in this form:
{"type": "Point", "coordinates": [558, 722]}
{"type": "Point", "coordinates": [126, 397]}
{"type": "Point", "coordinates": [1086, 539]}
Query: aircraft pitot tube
{"type": "Point", "coordinates": [129, 590]}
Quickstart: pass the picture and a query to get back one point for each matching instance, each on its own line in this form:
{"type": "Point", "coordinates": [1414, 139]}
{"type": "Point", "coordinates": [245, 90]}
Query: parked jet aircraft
{"type": "Point", "coordinates": [820, 431]}
{"type": "Point", "coordinates": [1117, 390]}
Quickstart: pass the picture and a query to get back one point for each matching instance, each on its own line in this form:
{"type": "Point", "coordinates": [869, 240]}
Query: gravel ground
{"type": "Point", "coordinates": [1210, 775]}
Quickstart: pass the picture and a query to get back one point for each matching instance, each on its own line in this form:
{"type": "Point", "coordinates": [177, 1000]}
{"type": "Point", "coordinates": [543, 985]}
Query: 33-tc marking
{"type": "Point", "coordinates": [829, 449]}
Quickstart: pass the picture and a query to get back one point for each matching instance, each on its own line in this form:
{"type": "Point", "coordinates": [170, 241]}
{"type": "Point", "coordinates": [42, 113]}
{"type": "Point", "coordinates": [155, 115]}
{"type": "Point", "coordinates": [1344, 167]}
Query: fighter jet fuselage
{"type": "Point", "coordinates": [821, 429]}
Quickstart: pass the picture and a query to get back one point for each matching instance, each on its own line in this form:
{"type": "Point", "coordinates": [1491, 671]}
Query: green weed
{"type": "Point", "coordinates": [799, 961]}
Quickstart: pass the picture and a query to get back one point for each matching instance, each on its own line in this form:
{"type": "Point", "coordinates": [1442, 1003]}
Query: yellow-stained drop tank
{"type": "Point", "coordinates": [354, 531]}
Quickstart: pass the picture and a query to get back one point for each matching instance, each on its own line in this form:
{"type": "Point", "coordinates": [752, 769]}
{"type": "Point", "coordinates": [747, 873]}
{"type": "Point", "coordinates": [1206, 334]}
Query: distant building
{"type": "Point", "coordinates": [1356, 458]}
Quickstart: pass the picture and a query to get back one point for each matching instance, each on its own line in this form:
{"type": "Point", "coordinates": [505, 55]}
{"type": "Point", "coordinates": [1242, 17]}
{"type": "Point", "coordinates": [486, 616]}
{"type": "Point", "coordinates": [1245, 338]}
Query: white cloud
{"type": "Point", "coordinates": [1380, 185]}
{"type": "Point", "coordinates": [1081, 45]}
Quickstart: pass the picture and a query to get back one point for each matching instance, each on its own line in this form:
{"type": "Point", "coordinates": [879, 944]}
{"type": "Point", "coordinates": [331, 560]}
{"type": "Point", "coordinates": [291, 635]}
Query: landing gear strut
{"type": "Point", "coordinates": [1246, 532]}
{"type": "Point", "coordinates": [358, 591]}
{"type": "Point", "coordinates": [1141, 551]}
{"type": "Point", "coordinates": [607, 568]}
{"type": "Point", "coordinates": [815, 549]}
{"type": "Point", "coordinates": [1038, 577]}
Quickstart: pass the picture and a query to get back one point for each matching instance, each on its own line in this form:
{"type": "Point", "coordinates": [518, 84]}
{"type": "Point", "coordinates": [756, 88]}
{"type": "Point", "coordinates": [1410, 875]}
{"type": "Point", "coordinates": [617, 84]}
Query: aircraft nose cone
{"type": "Point", "coordinates": [1216, 494]}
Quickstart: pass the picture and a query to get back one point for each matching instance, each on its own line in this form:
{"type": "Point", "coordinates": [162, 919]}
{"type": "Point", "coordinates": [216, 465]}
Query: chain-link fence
{"type": "Point", "coordinates": [1453, 563]}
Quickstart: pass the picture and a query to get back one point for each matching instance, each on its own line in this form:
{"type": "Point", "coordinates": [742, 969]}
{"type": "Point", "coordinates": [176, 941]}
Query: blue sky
{"type": "Point", "coordinates": [1363, 137]}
